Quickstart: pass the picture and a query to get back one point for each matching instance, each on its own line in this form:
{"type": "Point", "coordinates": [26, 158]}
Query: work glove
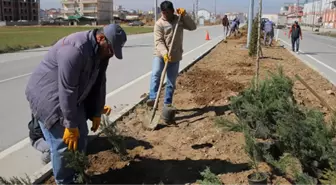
{"type": "Point", "coordinates": [107, 110]}
{"type": "Point", "coordinates": [95, 123]}
{"type": "Point", "coordinates": [166, 58]}
{"type": "Point", "coordinates": [70, 138]}
{"type": "Point", "coordinates": [181, 11]}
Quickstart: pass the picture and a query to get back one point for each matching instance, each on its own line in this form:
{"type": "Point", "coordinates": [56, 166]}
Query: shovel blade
{"type": "Point", "coordinates": [150, 124]}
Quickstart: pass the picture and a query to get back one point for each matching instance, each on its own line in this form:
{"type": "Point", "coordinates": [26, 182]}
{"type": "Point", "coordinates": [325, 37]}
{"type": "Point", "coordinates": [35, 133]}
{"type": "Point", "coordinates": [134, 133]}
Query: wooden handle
{"type": "Point", "coordinates": [312, 91]}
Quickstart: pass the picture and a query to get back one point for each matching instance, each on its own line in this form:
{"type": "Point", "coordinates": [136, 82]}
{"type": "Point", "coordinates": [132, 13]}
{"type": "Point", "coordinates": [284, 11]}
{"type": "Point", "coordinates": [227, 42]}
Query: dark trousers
{"type": "Point", "coordinates": [295, 42]}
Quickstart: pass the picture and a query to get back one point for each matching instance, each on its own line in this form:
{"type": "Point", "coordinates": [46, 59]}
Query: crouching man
{"type": "Point", "coordinates": [68, 87]}
{"type": "Point", "coordinates": [163, 35]}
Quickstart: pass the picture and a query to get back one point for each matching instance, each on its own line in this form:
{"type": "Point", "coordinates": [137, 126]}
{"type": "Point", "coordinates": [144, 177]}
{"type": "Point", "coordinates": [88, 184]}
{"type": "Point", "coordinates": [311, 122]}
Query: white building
{"type": "Point", "coordinates": [322, 12]}
{"type": "Point", "coordinates": [204, 14]}
{"type": "Point", "coordinates": [102, 10]}
{"type": "Point", "coordinates": [239, 15]}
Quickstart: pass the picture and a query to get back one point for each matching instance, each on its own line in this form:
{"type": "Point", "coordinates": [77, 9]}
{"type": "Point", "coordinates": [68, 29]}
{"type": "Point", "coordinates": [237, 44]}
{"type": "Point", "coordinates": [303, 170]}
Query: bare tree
{"type": "Point", "coordinates": [259, 50]}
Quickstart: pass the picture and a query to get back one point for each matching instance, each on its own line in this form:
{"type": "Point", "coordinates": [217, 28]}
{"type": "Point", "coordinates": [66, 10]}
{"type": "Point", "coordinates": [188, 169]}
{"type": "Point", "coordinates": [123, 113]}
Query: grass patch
{"type": "Point", "coordinates": [18, 38]}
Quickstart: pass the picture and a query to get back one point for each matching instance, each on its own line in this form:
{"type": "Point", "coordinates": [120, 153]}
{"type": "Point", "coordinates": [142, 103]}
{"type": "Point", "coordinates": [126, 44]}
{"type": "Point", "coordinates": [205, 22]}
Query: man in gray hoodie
{"type": "Point", "coordinates": [68, 87]}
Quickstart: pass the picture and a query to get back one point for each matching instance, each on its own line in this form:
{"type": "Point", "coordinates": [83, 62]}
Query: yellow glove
{"type": "Point", "coordinates": [107, 110]}
{"type": "Point", "coordinates": [70, 137]}
{"type": "Point", "coordinates": [181, 11]}
{"type": "Point", "coordinates": [95, 123]}
{"type": "Point", "coordinates": [166, 58]}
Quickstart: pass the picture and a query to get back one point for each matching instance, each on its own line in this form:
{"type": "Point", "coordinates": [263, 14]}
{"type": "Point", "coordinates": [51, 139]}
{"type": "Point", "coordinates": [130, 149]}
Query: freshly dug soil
{"type": "Point", "coordinates": [176, 154]}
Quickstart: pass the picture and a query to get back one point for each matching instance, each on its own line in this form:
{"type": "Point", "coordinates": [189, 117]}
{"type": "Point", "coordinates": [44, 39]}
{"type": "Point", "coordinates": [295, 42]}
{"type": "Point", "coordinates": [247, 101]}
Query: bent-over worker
{"type": "Point", "coordinates": [68, 87]}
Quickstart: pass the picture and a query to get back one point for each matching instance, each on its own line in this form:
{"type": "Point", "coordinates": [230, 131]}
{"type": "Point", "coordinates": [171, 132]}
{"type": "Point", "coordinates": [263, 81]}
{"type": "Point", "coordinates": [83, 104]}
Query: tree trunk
{"type": "Point", "coordinates": [259, 51]}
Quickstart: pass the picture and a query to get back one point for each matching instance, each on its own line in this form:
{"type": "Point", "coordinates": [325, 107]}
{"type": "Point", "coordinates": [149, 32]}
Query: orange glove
{"type": "Point", "coordinates": [166, 58]}
{"type": "Point", "coordinates": [181, 11]}
{"type": "Point", "coordinates": [107, 110]}
{"type": "Point", "coordinates": [70, 137]}
{"type": "Point", "coordinates": [95, 123]}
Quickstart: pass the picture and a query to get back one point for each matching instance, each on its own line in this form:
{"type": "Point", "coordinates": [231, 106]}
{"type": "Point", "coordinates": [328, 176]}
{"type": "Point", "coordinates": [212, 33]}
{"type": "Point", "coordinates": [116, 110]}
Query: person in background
{"type": "Point", "coordinates": [268, 32]}
{"type": "Point", "coordinates": [296, 33]}
{"type": "Point", "coordinates": [233, 27]}
{"type": "Point", "coordinates": [68, 87]}
{"type": "Point", "coordinates": [226, 24]}
{"type": "Point", "coordinates": [163, 35]}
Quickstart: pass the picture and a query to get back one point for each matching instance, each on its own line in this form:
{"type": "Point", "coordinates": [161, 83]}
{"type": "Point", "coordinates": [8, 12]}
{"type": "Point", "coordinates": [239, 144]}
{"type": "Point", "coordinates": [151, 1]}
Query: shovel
{"type": "Point", "coordinates": [152, 120]}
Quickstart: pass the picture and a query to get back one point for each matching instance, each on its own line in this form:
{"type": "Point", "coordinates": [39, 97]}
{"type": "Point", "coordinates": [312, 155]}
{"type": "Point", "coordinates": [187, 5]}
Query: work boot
{"type": "Point", "coordinates": [168, 114]}
{"type": "Point", "coordinates": [46, 157]}
{"type": "Point", "coordinates": [150, 103]}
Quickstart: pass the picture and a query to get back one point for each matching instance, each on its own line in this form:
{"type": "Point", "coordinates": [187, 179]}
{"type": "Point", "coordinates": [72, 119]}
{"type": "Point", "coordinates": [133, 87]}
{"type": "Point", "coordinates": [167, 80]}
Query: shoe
{"type": "Point", "coordinates": [45, 157]}
{"type": "Point", "coordinates": [297, 52]}
{"type": "Point", "coordinates": [150, 103]}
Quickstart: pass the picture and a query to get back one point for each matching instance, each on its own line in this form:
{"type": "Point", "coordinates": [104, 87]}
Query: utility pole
{"type": "Point", "coordinates": [196, 13]}
{"type": "Point", "coordinates": [313, 15]}
{"type": "Point", "coordinates": [215, 8]}
{"type": "Point", "coordinates": [297, 9]}
{"type": "Point", "coordinates": [250, 21]}
{"type": "Point", "coordinates": [155, 10]}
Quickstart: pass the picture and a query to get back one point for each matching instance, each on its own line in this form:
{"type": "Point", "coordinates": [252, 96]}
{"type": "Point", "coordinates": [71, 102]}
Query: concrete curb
{"type": "Point", "coordinates": [46, 171]}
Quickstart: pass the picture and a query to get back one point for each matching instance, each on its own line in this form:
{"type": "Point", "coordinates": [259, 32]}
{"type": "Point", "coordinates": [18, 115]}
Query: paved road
{"type": "Point", "coordinates": [319, 52]}
{"type": "Point", "coordinates": [127, 81]}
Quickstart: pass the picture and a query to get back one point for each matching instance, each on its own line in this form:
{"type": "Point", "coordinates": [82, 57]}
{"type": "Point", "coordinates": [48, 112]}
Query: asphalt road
{"type": "Point", "coordinates": [15, 69]}
{"type": "Point", "coordinates": [318, 52]}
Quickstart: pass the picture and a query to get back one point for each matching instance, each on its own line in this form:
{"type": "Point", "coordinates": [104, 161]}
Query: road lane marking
{"type": "Point", "coordinates": [316, 60]}
{"type": "Point", "coordinates": [15, 77]}
{"type": "Point", "coordinates": [26, 141]}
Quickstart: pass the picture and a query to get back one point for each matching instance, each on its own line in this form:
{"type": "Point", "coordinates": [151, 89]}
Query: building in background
{"type": "Point", "coordinates": [204, 14]}
{"type": "Point", "coordinates": [19, 10]}
{"type": "Point", "coordinates": [320, 13]}
{"type": "Point", "coordinates": [101, 10]}
{"type": "Point", "coordinates": [239, 15]}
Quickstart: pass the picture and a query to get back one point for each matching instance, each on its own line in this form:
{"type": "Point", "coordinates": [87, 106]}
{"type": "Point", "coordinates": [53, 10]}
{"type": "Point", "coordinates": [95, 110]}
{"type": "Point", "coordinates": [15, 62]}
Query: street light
{"type": "Point", "coordinates": [155, 10]}
{"type": "Point", "coordinates": [250, 20]}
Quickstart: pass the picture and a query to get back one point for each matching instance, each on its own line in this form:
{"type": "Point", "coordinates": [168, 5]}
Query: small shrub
{"type": "Point", "coordinates": [16, 181]}
{"type": "Point", "coordinates": [209, 178]}
{"type": "Point", "coordinates": [254, 38]}
{"type": "Point", "coordinates": [258, 108]}
{"type": "Point", "coordinates": [79, 162]}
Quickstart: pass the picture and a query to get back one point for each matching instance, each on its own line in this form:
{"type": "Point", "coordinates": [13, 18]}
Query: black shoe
{"type": "Point", "coordinates": [150, 103]}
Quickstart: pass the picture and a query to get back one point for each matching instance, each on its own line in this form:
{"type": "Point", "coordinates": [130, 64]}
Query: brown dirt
{"type": "Point", "coordinates": [176, 154]}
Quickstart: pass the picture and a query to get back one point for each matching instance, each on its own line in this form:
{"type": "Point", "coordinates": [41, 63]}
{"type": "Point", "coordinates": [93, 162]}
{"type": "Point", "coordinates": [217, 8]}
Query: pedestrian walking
{"type": "Point", "coordinates": [295, 33]}
{"type": "Point", "coordinates": [163, 35]}
{"type": "Point", "coordinates": [268, 32]}
{"type": "Point", "coordinates": [226, 24]}
{"type": "Point", "coordinates": [68, 87]}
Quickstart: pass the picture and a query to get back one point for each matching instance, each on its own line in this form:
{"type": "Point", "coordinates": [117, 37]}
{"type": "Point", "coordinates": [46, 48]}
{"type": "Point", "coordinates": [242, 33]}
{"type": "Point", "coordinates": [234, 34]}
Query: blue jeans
{"type": "Point", "coordinates": [53, 136]}
{"type": "Point", "coordinates": [172, 73]}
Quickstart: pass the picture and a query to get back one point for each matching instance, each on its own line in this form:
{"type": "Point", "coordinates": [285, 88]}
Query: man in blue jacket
{"type": "Point", "coordinates": [268, 32]}
{"type": "Point", "coordinates": [68, 87]}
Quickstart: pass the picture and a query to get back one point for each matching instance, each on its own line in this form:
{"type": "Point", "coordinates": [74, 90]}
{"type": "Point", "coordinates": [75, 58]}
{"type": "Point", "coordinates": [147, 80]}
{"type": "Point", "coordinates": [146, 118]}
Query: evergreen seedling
{"type": "Point", "coordinates": [209, 178]}
{"type": "Point", "coordinates": [79, 162]}
{"type": "Point", "coordinates": [254, 38]}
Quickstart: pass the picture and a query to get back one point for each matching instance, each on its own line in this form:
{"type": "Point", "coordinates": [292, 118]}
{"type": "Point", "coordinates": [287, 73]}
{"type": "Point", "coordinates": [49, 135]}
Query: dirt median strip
{"type": "Point", "coordinates": [176, 154]}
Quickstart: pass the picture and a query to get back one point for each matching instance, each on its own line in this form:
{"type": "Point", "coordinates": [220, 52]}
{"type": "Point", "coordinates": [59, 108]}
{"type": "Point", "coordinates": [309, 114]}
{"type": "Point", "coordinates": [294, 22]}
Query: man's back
{"type": "Point", "coordinates": [268, 26]}
{"type": "Point", "coordinates": [42, 90]}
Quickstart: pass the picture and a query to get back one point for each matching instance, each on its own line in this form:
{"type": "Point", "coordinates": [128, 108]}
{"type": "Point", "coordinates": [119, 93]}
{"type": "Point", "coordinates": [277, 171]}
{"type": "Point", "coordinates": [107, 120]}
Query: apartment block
{"type": "Point", "coordinates": [102, 10]}
{"type": "Point", "coordinates": [322, 12]}
{"type": "Point", "coordinates": [14, 10]}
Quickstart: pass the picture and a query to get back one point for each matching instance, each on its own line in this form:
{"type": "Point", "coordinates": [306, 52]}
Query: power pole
{"type": "Point", "coordinates": [196, 13]}
{"type": "Point", "coordinates": [155, 10]}
{"type": "Point", "coordinates": [297, 9]}
{"type": "Point", "coordinates": [313, 15]}
{"type": "Point", "coordinates": [250, 21]}
{"type": "Point", "coordinates": [215, 7]}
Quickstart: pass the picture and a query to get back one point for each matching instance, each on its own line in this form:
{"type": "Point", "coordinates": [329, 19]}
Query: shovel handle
{"type": "Point", "coordinates": [164, 70]}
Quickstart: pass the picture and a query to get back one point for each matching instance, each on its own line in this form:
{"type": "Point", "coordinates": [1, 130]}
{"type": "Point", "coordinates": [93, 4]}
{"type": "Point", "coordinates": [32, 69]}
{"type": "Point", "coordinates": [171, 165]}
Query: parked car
{"type": "Point", "coordinates": [136, 23]}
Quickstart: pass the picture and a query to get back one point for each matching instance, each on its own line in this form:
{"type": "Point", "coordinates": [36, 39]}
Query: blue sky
{"type": "Point", "coordinates": [269, 6]}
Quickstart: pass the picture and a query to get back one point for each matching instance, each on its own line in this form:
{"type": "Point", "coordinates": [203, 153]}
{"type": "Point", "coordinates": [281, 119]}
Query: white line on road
{"type": "Point", "coordinates": [316, 60]}
{"type": "Point", "coordinates": [15, 77]}
{"type": "Point", "coordinates": [26, 141]}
